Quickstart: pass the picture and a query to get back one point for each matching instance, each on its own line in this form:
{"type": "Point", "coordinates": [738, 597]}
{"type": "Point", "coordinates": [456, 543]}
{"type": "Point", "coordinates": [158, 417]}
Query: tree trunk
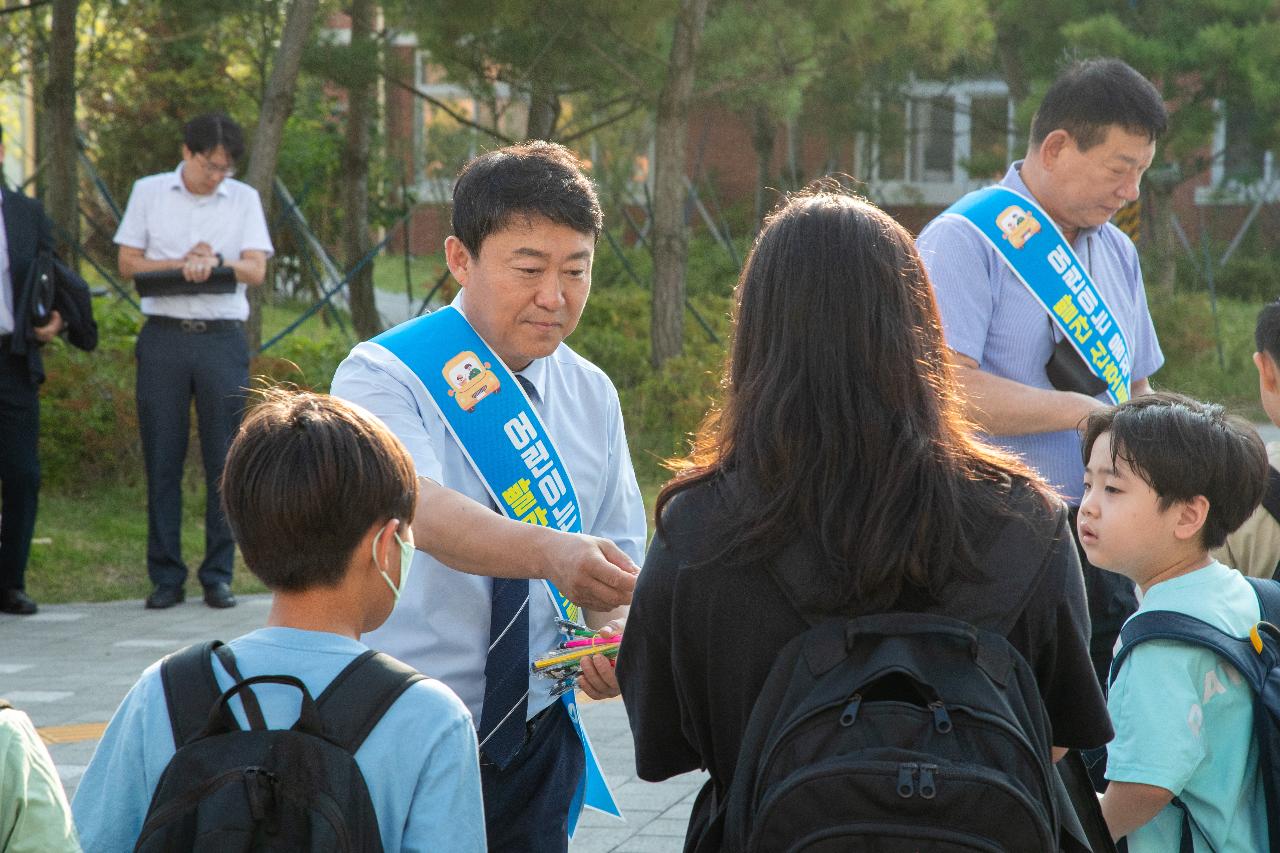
{"type": "Point", "coordinates": [361, 105]}
{"type": "Point", "coordinates": [762, 137]}
{"type": "Point", "coordinates": [544, 110]}
{"type": "Point", "coordinates": [277, 103]}
{"type": "Point", "coordinates": [1161, 272]}
{"type": "Point", "coordinates": [670, 234]}
{"type": "Point", "coordinates": [62, 184]}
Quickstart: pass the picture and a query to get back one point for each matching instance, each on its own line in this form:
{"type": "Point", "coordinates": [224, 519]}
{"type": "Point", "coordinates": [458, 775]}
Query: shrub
{"type": "Point", "coordinates": [88, 418]}
{"type": "Point", "coordinates": [661, 408]}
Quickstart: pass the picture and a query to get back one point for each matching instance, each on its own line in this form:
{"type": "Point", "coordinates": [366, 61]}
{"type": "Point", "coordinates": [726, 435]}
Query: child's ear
{"type": "Point", "coordinates": [1192, 515]}
{"type": "Point", "coordinates": [1267, 372]}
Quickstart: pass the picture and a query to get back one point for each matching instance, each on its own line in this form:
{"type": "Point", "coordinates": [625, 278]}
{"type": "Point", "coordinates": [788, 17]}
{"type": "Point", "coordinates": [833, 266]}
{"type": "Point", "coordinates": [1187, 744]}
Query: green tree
{"type": "Point", "coordinates": [61, 189]}
{"type": "Point", "coordinates": [277, 103]}
{"type": "Point", "coordinates": [670, 234]}
{"type": "Point", "coordinates": [360, 77]}
{"type": "Point", "coordinates": [1202, 56]}
{"type": "Point", "coordinates": [567, 67]}
{"type": "Point", "coordinates": [817, 67]}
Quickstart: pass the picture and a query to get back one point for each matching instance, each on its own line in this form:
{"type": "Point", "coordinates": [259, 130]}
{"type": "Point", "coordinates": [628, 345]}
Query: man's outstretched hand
{"type": "Point", "coordinates": [592, 572]}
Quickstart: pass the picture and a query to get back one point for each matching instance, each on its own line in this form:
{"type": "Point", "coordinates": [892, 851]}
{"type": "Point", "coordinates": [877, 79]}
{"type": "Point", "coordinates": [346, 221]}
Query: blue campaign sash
{"type": "Point", "coordinates": [503, 438]}
{"type": "Point", "coordinates": [1044, 262]}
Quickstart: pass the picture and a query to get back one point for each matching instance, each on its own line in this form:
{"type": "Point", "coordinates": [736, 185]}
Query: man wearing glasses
{"type": "Point", "coordinates": [192, 220]}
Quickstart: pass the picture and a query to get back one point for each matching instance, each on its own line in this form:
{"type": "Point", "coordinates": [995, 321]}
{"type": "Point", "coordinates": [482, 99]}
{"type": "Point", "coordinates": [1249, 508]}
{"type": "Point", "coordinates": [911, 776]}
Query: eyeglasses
{"type": "Point", "coordinates": [225, 171]}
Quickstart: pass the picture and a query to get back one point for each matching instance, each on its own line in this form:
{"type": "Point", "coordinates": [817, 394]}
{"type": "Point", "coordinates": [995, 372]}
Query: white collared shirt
{"type": "Point", "coordinates": [441, 624]}
{"type": "Point", "coordinates": [7, 324]}
{"type": "Point", "coordinates": [165, 219]}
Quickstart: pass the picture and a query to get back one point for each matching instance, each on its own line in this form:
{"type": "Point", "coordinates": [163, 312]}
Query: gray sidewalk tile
{"type": "Point", "coordinates": [650, 844]}
{"type": "Point", "coordinates": [73, 663]}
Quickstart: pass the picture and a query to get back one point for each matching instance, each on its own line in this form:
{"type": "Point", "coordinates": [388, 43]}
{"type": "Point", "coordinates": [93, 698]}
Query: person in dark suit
{"type": "Point", "coordinates": [27, 233]}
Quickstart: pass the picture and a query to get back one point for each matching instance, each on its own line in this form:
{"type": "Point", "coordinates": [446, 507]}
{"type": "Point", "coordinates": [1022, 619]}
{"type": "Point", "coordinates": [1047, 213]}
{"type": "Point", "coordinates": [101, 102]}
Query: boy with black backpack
{"type": "Point", "coordinates": [1166, 478]}
{"type": "Point", "coordinates": [1255, 548]}
{"type": "Point", "coordinates": [297, 737]}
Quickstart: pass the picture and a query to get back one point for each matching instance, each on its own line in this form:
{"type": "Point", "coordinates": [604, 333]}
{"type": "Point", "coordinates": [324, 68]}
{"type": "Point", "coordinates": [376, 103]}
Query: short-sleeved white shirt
{"type": "Point", "coordinates": [6, 283]}
{"type": "Point", "coordinates": [165, 220]}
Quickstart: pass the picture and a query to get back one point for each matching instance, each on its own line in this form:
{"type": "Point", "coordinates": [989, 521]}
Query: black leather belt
{"type": "Point", "coordinates": [196, 327]}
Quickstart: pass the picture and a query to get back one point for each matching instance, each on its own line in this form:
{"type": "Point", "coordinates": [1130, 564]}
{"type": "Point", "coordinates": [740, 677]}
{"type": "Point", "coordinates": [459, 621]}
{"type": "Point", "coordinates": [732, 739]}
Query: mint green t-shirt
{"type": "Point", "coordinates": [1184, 721]}
{"type": "Point", "coordinates": [34, 815]}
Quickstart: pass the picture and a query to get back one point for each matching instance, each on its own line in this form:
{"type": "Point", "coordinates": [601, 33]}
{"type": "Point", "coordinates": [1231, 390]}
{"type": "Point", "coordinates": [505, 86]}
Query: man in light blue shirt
{"type": "Point", "coordinates": [525, 222]}
{"type": "Point", "coordinates": [1091, 141]}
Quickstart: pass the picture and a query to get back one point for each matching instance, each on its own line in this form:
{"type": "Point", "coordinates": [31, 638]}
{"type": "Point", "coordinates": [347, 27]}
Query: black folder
{"type": "Point", "coordinates": [171, 283]}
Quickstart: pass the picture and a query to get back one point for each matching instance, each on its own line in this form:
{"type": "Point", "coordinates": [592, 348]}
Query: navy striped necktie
{"type": "Point", "coordinates": [506, 670]}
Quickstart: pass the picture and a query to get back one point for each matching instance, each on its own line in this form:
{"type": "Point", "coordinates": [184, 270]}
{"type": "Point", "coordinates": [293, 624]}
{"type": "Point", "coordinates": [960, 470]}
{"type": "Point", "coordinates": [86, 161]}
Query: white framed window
{"type": "Point", "coordinates": [1240, 172]}
{"type": "Point", "coordinates": [938, 141]}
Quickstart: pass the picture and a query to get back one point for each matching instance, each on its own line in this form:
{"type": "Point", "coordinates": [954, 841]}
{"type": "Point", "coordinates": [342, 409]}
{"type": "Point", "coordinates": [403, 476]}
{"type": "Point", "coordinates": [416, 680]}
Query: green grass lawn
{"type": "Point", "coordinates": [389, 274]}
{"type": "Point", "coordinates": [92, 546]}
{"type": "Point", "coordinates": [1185, 325]}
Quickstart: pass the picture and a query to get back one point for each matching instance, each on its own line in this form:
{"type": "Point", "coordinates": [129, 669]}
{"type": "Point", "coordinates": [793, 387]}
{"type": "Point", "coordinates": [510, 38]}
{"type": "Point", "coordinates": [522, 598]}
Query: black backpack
{"type": "Point", "coordinates": [896, 732]}
{"type": "Point", "coordinates": [1258, 664]}
{"type": "Point", "coordinates": [227, 789]}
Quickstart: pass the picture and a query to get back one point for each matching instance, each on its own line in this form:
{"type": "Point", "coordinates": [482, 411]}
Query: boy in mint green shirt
{"type": "Point", "coordinates": [1166, 479]}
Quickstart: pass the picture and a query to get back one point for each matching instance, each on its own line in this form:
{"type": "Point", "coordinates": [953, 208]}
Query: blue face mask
{"type": "Point", "coordinates": [406, 562]}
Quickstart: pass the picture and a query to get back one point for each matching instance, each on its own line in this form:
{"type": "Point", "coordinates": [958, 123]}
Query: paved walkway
{"type": "Point", "coordinates": [71, 664]}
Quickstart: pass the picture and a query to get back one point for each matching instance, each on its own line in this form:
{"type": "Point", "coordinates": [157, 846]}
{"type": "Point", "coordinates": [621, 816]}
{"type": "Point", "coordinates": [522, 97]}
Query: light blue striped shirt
{"type": "Point", "coordinates": [988, 315]}
{"type": "Point", "coordinates": [441, 625]}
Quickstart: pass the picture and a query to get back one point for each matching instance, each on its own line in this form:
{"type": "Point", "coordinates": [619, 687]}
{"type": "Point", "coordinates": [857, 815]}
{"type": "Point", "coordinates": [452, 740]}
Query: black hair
{"type": "Point", "coordinates": [531, 179]}
{"type": "Point", "coordinates": [305, 479]}
{"type": "Point", "coordinates": [1093, 95]}
{"type": "Point", "coordinates": [205, 133]}
{"type": "Point", "coordinates": [841, 407]}
{"type": "Point", "coordinates": [1182, 448]}
{"type": "Point", "coordinates": [1267, 333]}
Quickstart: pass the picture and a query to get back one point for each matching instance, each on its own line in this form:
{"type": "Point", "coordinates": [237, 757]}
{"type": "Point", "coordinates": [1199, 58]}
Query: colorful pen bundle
{"type": "Point", "coordinates": [564, 662]}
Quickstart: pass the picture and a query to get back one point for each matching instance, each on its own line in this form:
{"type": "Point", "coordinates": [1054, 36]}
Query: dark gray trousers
{"type": "Point", "coordinates": [19, 467]}
{"type": "Point", "coordinates": [173, 366]}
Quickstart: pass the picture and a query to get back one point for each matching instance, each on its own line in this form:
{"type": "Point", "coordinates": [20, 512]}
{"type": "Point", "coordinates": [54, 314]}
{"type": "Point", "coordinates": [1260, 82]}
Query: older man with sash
{"type": "Point", "coordinates": [529, 504]}
{"type": "Point", "coordinates": [1041, 297]}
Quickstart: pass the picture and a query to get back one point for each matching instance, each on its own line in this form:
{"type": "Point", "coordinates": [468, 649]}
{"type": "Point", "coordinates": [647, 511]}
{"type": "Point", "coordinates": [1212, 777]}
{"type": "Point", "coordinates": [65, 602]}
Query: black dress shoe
{"type": "Point", "coordinates": [16, 601]}
{"type": "Point", "coordinates": [164, 597]}
{"type": "Point", "coordinates": [219, 595]}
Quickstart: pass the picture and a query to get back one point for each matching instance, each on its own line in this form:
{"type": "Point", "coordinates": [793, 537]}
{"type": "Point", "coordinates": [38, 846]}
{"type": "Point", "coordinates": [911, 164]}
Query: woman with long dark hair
{"type": "Point", "coordinates": [837, 478]}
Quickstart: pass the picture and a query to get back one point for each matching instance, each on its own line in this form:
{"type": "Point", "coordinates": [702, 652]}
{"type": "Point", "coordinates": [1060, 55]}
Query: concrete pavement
{"type": "Point", "coordinates": [70, 665]}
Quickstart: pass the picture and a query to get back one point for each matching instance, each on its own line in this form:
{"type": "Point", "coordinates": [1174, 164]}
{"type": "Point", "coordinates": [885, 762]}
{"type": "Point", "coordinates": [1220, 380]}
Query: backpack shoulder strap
{"type": "Point", "coordinates": [252, 710]}
{"type": "Point", "coordinates": [1169, 625]}
{"type": "Point", "coordinates": [356, 699]}
{"type": "Point", "coordinates": [1271, 495]}
{"type": "Point", "coordinates": [190, 689]}
{"type": "Point", "coordinates": [1268, 592]}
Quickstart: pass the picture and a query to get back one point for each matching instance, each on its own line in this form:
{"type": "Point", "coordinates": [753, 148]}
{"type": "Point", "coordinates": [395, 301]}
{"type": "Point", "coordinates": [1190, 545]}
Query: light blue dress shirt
{"type": "Point", "coordinates": [988, 315]}
{"type": "Point", "coordinates": [441, 625]}
{"type": "Point", "coordinates": [420, 762]}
